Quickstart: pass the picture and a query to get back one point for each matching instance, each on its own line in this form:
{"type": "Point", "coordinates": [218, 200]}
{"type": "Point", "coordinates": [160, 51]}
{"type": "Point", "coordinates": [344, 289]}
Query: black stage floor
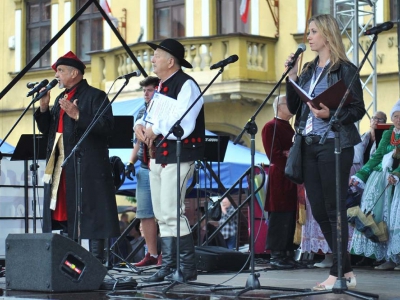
{"type": "Point", "coordinates": [386, 284]}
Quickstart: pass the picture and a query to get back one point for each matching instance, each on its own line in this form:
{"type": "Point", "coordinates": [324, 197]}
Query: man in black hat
{"type": "Point", "coordinates": [174, 83]}
{"type": "Point", "coordinates": [73, 111]}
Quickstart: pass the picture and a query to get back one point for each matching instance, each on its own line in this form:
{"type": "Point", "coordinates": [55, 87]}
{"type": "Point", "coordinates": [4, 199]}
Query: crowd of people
{"type": "Point", "coordinates": [371, 167]}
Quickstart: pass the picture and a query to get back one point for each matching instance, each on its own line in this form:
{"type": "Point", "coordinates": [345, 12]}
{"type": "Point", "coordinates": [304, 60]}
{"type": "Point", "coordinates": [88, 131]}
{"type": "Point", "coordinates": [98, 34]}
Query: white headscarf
{"type": "Point", "coordinates": [395, 108]}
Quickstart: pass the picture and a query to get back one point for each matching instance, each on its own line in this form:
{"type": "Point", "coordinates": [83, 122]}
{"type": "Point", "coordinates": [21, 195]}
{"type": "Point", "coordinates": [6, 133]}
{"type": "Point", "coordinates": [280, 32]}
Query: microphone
{"type": "Point", "coordinates": [378, 29]}
{"type": "Point", "coordinates": [299, 51]}
{"type": "Point", "coordinates": [52, 84]}
{"type": "Point", "coordinates": [30, 85]}
{"type": "Point", "coordinates": [37, 88]}
{"type": "Point", "coordinates": [136, 73]}
{"type": "Point", "coordinates": [224, 62]}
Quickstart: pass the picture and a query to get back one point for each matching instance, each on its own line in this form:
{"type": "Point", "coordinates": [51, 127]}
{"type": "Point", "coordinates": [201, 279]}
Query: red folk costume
{"type": "Point", "coordinates": [99, 209]}
{"type": "Point", "coordinates": [60, 213]}
{"type": "Point", "coordinates": [281, 192]}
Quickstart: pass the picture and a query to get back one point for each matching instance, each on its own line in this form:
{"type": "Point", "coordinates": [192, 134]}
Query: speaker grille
{"type": "Point", "coordinates": [50, 262]}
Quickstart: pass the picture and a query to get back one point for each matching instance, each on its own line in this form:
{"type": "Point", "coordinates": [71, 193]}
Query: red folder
{"type": "Point", "coordinates": [331, 97]}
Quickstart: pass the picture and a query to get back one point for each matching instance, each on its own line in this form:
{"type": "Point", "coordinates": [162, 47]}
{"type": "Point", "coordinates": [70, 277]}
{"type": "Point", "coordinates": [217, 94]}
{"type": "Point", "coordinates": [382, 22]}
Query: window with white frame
{"type": "Point", "coordinates": [229, 19]}
{"type": "Point", "coordinates": [38, 34]}
{"type": "Point", "coordinates": [89, 31]}
{"type": "Point", "coordinates": [169, 19]}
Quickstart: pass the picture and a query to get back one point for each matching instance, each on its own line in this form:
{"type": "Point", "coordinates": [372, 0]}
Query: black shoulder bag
{"type": "Point", "coordinates": [293, 168]}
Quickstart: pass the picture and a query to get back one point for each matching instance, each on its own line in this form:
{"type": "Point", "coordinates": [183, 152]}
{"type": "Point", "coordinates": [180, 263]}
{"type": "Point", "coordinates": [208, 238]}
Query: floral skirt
{"type": "Point", "coordinates": [312, 238]}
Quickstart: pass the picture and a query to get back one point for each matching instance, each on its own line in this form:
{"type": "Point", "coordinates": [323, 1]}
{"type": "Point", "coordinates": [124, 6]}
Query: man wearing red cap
{"type": "Point", "coordinates": [174, 83]}
{"type": "Point", "coordinates": [64, 123]}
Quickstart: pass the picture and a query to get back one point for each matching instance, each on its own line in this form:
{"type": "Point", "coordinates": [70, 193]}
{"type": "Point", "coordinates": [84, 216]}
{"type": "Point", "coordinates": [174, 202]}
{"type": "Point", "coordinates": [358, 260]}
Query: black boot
{"type": "Point", "coordinates": [278, 260]}
{"type": "Point", "coordinates": [96, 247]}
{"type": "Point", "coordinates": [290, 259]}
{"type": "Point", "coordinates": [188, 258]}
{"type": "Point", "coordinates": [168, 250]}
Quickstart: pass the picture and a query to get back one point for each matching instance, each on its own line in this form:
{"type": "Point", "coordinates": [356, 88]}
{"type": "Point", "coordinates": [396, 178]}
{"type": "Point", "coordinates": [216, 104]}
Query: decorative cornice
{"type": "Point", "coordinates": [18, 4]}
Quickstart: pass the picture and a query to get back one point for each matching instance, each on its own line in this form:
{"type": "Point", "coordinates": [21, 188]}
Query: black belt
{"type": "Point", "coordinates": [312, 139]}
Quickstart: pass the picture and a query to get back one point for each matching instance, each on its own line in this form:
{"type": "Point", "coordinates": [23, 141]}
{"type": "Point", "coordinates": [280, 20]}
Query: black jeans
{"type": "Point", "coordinates": [320, 182]}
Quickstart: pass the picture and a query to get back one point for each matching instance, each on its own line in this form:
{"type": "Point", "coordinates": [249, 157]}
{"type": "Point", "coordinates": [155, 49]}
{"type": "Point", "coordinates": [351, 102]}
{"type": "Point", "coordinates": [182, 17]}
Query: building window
{"type": "Point", "coordinates": [322, 7]}
{"type": "Point", "coordinates": [169, 19]}
{"type": "Point", "coordinates": [228, 20]}
{"type": "Point", "coordinates": [38, 31]}
{"type": "Point", "coordinates": [393, 10]}
{"type": "Point", "coordinates": [89, 31]}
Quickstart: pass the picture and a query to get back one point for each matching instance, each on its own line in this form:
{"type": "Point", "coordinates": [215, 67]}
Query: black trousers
{"type": "Point", "coordinates": [281, 227]}
{"type": "Point", "coordinates": [320, 183]}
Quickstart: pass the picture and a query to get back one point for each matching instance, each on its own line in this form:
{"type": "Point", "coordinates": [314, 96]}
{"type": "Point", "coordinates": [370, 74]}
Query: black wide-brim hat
{"type": "Point", "coordinates": [174, 48]}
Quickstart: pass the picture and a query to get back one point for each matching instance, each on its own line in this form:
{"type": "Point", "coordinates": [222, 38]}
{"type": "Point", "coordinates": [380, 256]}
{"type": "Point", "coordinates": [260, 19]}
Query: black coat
{"type": "Point", "coordinates": [100, 217]}
{"type": "Point", "coordinates": [349, 114]}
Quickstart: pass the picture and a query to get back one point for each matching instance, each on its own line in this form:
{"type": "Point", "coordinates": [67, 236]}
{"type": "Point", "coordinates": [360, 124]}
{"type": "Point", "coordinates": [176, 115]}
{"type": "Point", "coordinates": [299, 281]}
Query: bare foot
{"type": "Point", "coordinates": [330, 281]}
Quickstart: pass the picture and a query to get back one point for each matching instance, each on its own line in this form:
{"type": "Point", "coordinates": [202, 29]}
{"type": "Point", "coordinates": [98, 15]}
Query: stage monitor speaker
{"type": "Point", "coordinates": [51, 263]}
{"type": "Point", "coordinates": [215, 258]}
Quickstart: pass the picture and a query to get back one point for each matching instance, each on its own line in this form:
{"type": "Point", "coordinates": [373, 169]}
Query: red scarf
{"type": "Point", "coordinates": [60, 213]}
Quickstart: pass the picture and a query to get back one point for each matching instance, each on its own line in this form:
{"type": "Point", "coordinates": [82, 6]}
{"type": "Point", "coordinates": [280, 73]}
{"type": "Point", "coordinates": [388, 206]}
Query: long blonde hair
{"type": "Point", "coordinates": [329, 29]}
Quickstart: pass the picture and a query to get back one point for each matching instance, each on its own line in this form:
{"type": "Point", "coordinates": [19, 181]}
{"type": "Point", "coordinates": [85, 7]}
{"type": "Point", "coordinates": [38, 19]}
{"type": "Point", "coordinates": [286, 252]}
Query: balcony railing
{"type": "Point", "coordinates": [256, 59]}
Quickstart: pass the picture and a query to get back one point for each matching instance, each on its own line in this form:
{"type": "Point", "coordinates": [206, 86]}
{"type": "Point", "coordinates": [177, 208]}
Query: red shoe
{"type": "Point", "coordinates": [148, 260]}
{"type": "Point", "coordinates": [159, 260]}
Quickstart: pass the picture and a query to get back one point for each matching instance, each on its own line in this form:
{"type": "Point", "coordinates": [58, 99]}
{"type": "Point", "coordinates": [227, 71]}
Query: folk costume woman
{"type": "Point", "coordinates": [380, 177]}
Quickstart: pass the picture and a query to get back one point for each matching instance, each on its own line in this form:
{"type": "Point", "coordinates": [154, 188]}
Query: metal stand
{"type": "Point", "coordinates": [237, 211]}
{"type": "Point", "coordinates": [134, 251]}
{"type": "Point", "coordinates": [34, 166]}
{"type": "Point", "coordinates": [215, 149]}
{"type": "Point", "coordinates": [252, 282]}
{"type": "Point", "coordinates": [177, 276]}
{"type": "Point", "coordinates": [251, 128]}
{"type": "Point", "coordinates": [340, 286]}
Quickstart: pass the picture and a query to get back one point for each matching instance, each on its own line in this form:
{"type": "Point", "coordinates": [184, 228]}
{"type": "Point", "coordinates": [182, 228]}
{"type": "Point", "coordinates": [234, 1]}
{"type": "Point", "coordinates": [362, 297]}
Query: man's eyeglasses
{"type": "Point", "coordinates": [380, 120]}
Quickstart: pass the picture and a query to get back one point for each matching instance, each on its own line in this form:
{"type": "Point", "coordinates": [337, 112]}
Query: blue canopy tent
{"type": "Point", "coordinates": [237, 158]}
{"type": "Point", "coordinates": [6, 148]}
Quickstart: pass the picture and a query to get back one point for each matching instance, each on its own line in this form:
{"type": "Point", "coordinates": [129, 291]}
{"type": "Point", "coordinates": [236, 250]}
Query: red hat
{"type": "Point", "coordinates": [70, 59]}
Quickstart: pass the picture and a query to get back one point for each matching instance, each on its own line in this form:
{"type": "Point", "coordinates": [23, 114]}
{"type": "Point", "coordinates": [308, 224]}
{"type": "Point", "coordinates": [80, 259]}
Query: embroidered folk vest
{"type": "Point", "coordinates": [192, 146]}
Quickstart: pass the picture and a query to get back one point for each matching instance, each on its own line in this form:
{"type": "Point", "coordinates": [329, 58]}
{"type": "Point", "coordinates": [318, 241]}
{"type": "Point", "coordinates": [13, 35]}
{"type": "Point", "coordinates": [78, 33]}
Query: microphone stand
{"type": "Point", "coordinates": [76, 151]}
{"type": "Point", "coordinates": [34, 165]}
{"type": "Point", "coordinates": [340, 286]}
{"type": "Point", "coordinates": [33, 169]}
{"type": "Point", "coordinates": [252, 282]}
{"type": "Point", "coordinates": [177, 131]}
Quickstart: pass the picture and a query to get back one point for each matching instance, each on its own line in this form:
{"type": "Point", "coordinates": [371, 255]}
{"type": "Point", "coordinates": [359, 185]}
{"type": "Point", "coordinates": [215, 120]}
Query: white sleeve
{"type": "Point", "coordinates": [188, 94]}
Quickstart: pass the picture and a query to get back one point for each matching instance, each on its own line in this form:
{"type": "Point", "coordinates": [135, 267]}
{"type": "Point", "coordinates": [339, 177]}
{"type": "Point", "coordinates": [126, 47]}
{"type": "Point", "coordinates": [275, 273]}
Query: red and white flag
{"type": "Point", "coordinates": [244, 10]}
{"type": "Point", "coordinates": [104, 5]}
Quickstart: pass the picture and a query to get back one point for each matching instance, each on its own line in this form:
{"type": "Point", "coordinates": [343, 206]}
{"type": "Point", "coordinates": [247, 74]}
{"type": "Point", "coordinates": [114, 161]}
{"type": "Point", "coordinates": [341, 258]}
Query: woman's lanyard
{"type": "Point", "coordinates": [314, 81]}
{"type": "Point", "coordinates": [313, 84]}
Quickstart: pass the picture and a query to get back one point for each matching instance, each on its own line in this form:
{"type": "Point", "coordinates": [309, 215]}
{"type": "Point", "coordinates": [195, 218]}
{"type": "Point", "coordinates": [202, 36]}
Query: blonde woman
{"type": "Point", "coordinates": [319, 172]}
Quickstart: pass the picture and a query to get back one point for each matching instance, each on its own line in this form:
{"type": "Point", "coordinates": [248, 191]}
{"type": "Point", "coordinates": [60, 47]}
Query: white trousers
{"type": "Point", "coordinates": [163, 185]}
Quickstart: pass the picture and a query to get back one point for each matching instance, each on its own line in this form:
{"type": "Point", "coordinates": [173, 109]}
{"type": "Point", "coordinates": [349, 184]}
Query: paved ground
{"type": "Point", "coordinates": [386, 284]}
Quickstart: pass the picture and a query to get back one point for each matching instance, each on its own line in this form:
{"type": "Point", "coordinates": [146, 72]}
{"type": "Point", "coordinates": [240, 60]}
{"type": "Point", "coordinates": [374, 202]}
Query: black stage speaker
{"type": "Point", "coordinates": [51, 263]}
{"type": "Point", "coordinates": [214, 258]}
